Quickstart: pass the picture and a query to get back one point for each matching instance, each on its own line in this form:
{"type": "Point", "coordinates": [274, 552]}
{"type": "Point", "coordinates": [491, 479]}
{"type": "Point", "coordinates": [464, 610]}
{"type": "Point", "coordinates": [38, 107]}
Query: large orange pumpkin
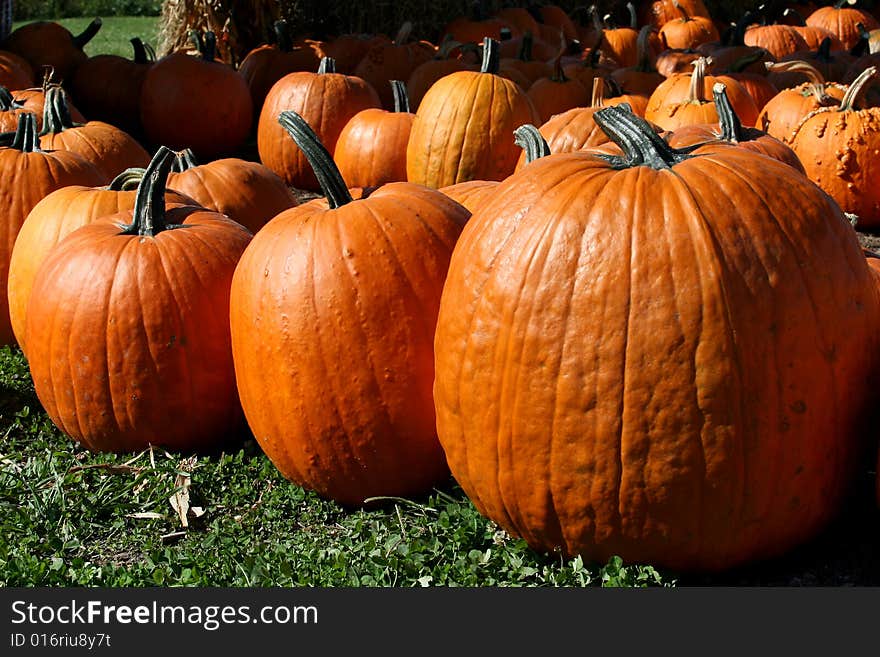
{"type": "Point", "coordinates": [57, 215]}
{"type": "Point", "coordinates": [126, 326]}
{"type": "Point", "coordinates": [660, 356]}
{"type": "Point", "coordinates": [333, 311]}
{"type": "Point", "coordinates": [27, 174]}
{"type": "Point", "coordinates": [463, 128]}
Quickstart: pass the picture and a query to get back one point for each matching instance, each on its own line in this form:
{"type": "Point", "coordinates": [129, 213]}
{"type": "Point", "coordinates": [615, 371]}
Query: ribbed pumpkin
{"type": "Point", "coordinates": [50, 45]}
{"type": "Point", "coordinates": [843, 22]}
{"type": "Point", "coordinates": [687, 31]}
{"type": "Point", "coordinates": [371, 149]}
{"type": "Point", "coordinates": [196, 102]}
{"type": "Point", "coordinates": [57, 215]}
{"type": "Point", "coordinates": [327, 100]}
{"type": "Point", "coordinates": [442, 64]}
{"type": "Point", "coordinates": [838, 147]}
{"type": "Point", "coordinates": [333, 310]}
{"type": "Point", "coordinates": [109, 148]}
{"type": "Point", "coordinates": [246, 192]}
{"type": "Point", "coordinates": [463, 128]}
{"type": "Point", "coordinates": [126, 326]}
{"type": "Point", "coordinates": [658, 13]}
{"type": "Point", "coordinates": [27, 174]}
{"type": "Point", "coordinates": [660, 356]}
{"type": "Point", "coordinates": [33, 99]}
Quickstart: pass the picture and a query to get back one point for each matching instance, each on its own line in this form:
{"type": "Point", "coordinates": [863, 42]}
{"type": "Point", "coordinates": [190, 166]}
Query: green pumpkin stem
{"type": "Point", "coordinates": [127, 180]}
{"type": "Point", "coordinates": [530, 139]}
{"type": "Point", "coordinates": [856, 88]}
{"type": "Point", "coordinates": [56, 112]}
{"type": "Point", "coordinates": [184, 161]}
{"type": "Point", "coordinates": [685, 17]}
{"type": "Point", "coordinates": [633, 17]}
{"type": "Point", "coordinates": [7, 102]}
{"type": "Point", "coordinates": [491, 56]}
{"type": "Point", "coordinates": [282, 36]}
{"type": "Point", "coordinates": [641, 146]}
{"type": "Point", "coordinates": [643, 48]}
{"type": "Point", "coordinates": [326, 171]}
{"type": "Point", "coordinates": [697, 88]}
{"type": "Point", "coordinates": [87, 34]}
{"type": "Point", "coordinates": [26, 138]}
{"type": "Point", "coordinates": [140, 51]}
{"type": "Point", "coordinates": [401, 99]}
{"type": "Point", "coordinates": [210, 51]}
{"type": "Point", "coordinates": [327, 65]}
{"type": "Point", "coordinates": [148, 217]}
{"type": "Point", "coordinates": [731, 126]}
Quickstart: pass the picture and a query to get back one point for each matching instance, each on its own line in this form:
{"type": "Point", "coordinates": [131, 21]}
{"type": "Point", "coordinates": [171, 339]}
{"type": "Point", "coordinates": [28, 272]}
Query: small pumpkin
{"type": "Point", "coordinates": [557, 93]}
{"type": "Point", "coordinates": [126, 326]}
{"type": "Point", "coordinates": [687, 31]}
{"type": "Point", "coordinates": [333, 310]}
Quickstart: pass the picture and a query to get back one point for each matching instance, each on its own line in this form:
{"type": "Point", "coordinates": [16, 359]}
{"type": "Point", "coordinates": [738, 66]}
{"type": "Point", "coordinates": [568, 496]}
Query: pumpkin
{"type": "Point", "coordinates": [471, 192]}
{"type": "Point", "coordinates": [620, 44]}
{"type": "Point", "coordinates": [687, 31]}
{"type": "Point", "coordinates": [332, 313]}
{"type": "Point", "coordinates": [50, 45]}
{"type": "Point", "coordinates": [264, 65]}
{"type": "Point", "coordinates": [838, 147]}
{"type": "Point", "coordinates": [371, 149]}
{"type": "Point", "coordinates": [593, 64]}
{"type": "Point", "coordinates": [463, 127]}
{"type": "Point", "coordinates": [524, 67]}
{"type": "Point", "coordinates": [813, 36]}
{"type": "Point", "coordinates": [15, 72]}
{"type": "Point", "coordinates": [110, 149]}
{"type": "Point", "coordinates": [642, 78]}
{"type": "Point", "coordinates": [247, 192]}
{"type": "Point", "coordinates": [778, 40]}
{"type": "Point", "coordinates": [557, 17]}
{"type": "Point", "coordinates": [732, 131]}
{"type": "Point", "coordinates": [196, 102]}
{"type": "Point", "coordinates": [33, 100]}
{"type": "Point", "coordinates": [27, 174]}
{"type": "Point", "coordinates": [557, 93]}
{"type": "Point", "coordinates": [832, 65]}
{"type": "Point", "coordinates": [843, 22]}
{"type": "Point", "coordinates": [57, 215]}
{"type": "Point", "coordinates": [347, 50]}
{"type": "Point", "coordinates": [682, 100]}
{"type": "Point", "coordinates": [660, 12]}
{"type": "Point", "coordinates": [327, 100]}
{"type": "Point", "coordinates": [622, 360]}
{"type": "Point", "coordinates": [784, 112]}
{"type": "Point", "coordinates": [443, 63]}
{"type": "Point", "coordinates": [126, 326]}
{"type": "Point", "coordinates": [108, 87]}
{"type": "Point", "coordinates": [393, 61]}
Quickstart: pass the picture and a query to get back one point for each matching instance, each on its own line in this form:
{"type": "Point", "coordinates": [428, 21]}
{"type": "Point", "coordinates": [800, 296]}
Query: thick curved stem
{"type": "Point", "coordinates": [184, 161]}
{"type": "Point", "coordinates": [56, 112]}
{"type": "Point", "coordinates": [210, 51]}
{"type": "Point", "coordinates": [87, 34]}
{"type": "Point", "coordinates": [26, 138]}
{"type": "Point", "coordinates": [823, 52]}
{"type": "Point", "coordinates": [697, 88]}
{"type": "Point", "coordinates": [127, 180]}
{"type": "Point", "coordinates": [403, 34]}
{"type": "Point", "coordinates": [326, 171]}
{"type": "Point", "coordinates": [7, 102]}
{"type": "Point", "coordinates": [327, 65]}
{"type": "Point", "coordinates": [530, 139]}
{"type": "Point", "coordinates": [643, 48]}
{"type": "Point", "coordinates": [797, 66]}
{"type": "Point", "coordinates": [491, 56]}
{"type": "Point", "coordinates": [856, 88]}
{"type": "Point", "coordinates": [633, 17]}
{"type": "Point", "coordinates": [525, 47]}
{"type": "Point", "coordinates": [140, 52]}
{"type": "Point", "coordinates": [148, 216]}
{"type": "Point", "coordinates": [282, 35]}
{"type": "Point", "coordinates": [598, 97]}
{"type": "Point", "coordinates": [681, 10]}
{"type": "Point", "coordinates": [731, 126]}
{"type": "Point", "coordinates": [401, 99]}
{"type": "Point", "coordinates": [641, 146]}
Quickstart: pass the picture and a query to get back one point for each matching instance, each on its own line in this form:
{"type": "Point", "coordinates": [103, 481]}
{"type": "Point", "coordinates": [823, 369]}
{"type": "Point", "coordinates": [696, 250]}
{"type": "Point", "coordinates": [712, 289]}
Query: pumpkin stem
{"type": "Point", "coordinates": [641, 146]}
{"type": "Point", "coordinates": [326, 171]}
{"type": "Point", "coordinates": [87, 34]}
{"type": "Point", "coordinates": [633, 19]}
{"type": "Point", "coordinates": [148, 217]}
{"type": "Point", "coordinates": [739, 65]}
{"type": "Point", "coordinates": [525, 47]}
{"type": "Point", "coordinates": [530, 139]}
{"type": "Point", "coordinates": [26, 139]}
{"type": "Point", "coordinates": [127, 180]}
{"type": "Point", "coordinates": [6, 100]}
{"type": "Point", "coordinates": [401, 99]}
{"type": "Point", "coordinates": [195, 37]}
{"type": "Point", "coordinates": [854, 92]}
{"type": "Point", "coordinates": [558, 74]}
{"type": "Point", "coordinates": [184, 161]}
{"type": "Point", "coordinates": [823, 52]}
{"type": "Point", "coordinates": [643, 48]}
{"type": "Point", "coordinates": [56, 113]}
{"type": "Point", "coordinates": [210, 50]}
{"type": "Point", "coordinates": [681, 10]}
{"type": "Point", "coordinates": [282, 36]}
{"type": "Point", "coordinates": [697, 88]}
{"type": "Point", "coordinates": [731, 126]}
{"type": "Point", "coordinates": [797, 66]}
{"type": "Point", "coordinates": [327, 65]}
{"type": "Point", "coordinates": [140, 52]}
{"type": "Point", "coordinates": [491, 56]}
{"type": "Point", "coordinates": [403, 34]}
{"type": "Point", "coordinates": [597, 20]}
{"type": "Point", "coordinates": [598, 97]}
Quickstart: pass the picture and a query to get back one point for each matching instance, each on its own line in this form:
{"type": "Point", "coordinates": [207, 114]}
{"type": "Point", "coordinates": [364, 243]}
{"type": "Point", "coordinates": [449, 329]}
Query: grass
{"type": "Point", "coordinates": [113, 37]}
{"type": "Point", "coordinates": [72, 518]}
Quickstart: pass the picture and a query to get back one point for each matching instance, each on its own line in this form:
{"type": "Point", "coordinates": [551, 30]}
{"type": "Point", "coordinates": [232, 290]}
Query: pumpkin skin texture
{"type": "Point", "coordinates": [332, 315]}
{"type": "Point", "coordinates": [125, 326]}
{"type": "Point", "coordinates": [246, 192]}
{"type": "Point", "coordinates": [464, 126]}
{"type": "Point", "coordinates": [57, 215]}
{"type": "Point", "coordinates": [27, 174]}
{"type": "Point", "coordinates": [662, 399]}
{"type": "Point", "coordinates": [327, 100]}
{"type": "Point", "coordinates": [471, 193]}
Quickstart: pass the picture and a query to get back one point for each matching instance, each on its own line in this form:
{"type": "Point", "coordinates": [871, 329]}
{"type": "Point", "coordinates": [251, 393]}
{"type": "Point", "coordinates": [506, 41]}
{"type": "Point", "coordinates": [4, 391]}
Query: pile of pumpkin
{"type": "Point", "coordinates": [604, 275]}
